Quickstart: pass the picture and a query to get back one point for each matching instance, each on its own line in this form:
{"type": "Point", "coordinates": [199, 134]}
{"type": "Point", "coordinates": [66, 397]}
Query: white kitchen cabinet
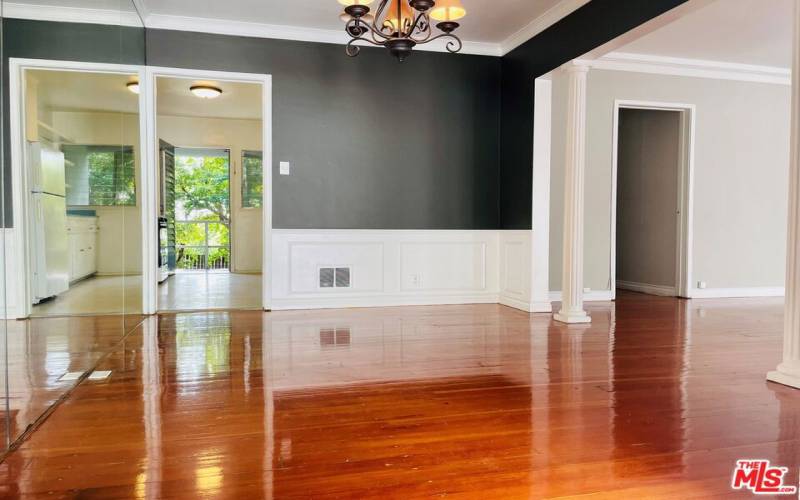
{"type": "Point", "coordinates": [82, 233]}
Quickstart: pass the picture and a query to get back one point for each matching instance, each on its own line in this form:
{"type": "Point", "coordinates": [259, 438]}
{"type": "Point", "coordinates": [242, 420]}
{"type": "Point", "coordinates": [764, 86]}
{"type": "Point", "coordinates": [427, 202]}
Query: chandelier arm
{"type": "Point", "coordinates": [353, 50]}
{"type": "Point", "coordinates": [367, 26]}
{"type": "Point", "coordinates": [378, 14]}
{"type": "Point", "coordinates": [425, 27]}
{"type": "Point", "coordinates": [425, 32]}
{"type": "Point", "coordinates": [453, 46]}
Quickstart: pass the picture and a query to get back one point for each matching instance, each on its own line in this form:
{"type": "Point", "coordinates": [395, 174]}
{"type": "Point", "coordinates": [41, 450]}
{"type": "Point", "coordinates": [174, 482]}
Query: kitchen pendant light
{"type": "Point", "coordinates": [205, 91]}
{"type": "Point", "coordinates": [133, 87]}
{"type": "Point", "coordinates": [400, 25]}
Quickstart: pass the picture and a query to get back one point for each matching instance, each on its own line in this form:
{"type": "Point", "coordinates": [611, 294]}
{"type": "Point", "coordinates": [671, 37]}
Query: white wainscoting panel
{"type": "Point", "coordinates": [388, 267]}
{"type": "Point", "coordinates": [13, 308]}
{"type": "Point", "coordinates": [515, 269]}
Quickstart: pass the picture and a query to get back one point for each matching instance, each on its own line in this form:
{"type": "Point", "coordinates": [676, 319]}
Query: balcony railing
{"type": "Point", "coordinates": [207, 248]}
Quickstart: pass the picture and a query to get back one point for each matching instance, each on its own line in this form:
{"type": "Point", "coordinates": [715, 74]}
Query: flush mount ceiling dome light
{"type": "Point", "coordinates": [400, 25]}
{"type": "Point", "coordinates": [205, 91]}
{"type": "Point", "coordinates": [133, 87]}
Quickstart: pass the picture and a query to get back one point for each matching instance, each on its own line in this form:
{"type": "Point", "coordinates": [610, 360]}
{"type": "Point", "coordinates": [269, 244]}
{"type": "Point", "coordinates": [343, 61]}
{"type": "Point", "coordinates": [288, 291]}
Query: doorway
{"type": "Point", "coordinates": [76, 160]}
{"type": "Point", "coordinates": [210, 189]}
{"type": "Point", "coordinates": [651, 200]}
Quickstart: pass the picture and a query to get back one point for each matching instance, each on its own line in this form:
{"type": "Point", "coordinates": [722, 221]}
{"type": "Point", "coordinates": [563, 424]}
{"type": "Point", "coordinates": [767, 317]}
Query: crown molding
{"type": "Point", "coordinates": [554, 14]}
{"type": "Point", "coordinates": [297, 33]}
{"type": "Point", "coordinates": [207, 25]}
{"type": "Point", "coordinates": [71, 14]}
{"type": "Point", "coordinates": [698, 68]}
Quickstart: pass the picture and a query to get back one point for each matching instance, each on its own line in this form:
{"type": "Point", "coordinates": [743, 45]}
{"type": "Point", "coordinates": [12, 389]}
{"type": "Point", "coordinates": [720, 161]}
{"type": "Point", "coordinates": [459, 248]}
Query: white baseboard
{"type": "Point", "coordinates": [379, 300]}
{"type": "Point", "coordinates": [531, 307]}
{"type": "Point", "coordinates": [593, 296]}
{"type": "Point", "coordinates": [724, 293]}
{"type": "Point", "coordinates": [665, 291]}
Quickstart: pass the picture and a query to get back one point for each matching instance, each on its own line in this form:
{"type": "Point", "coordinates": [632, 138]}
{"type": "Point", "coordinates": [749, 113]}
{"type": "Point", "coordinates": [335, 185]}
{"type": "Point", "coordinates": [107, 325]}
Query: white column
{"type": "Point", "coordinates": [788, 372]}
{"type": "Point", "coordinates": [540, 236]}
{"type": "Point", "coordinates": [575, 160]}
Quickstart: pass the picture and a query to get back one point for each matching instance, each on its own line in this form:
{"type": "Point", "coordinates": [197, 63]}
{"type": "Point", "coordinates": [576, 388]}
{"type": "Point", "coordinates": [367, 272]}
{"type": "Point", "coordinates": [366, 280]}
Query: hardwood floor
{"type": "Point", "coordinates": [656, 398]}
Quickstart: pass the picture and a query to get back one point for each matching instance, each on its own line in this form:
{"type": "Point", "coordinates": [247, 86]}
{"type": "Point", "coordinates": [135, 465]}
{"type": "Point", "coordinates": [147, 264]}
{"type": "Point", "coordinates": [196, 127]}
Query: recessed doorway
{"type": "Point", "coordinates": [651, 198]}
{"type": "Point", "coordinates": [210, 194]}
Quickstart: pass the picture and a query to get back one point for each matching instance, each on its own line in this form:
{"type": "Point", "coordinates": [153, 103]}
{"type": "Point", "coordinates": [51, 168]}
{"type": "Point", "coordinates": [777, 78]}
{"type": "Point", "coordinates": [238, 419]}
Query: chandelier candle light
{"type": "Point", "coordinates": [400, 25]}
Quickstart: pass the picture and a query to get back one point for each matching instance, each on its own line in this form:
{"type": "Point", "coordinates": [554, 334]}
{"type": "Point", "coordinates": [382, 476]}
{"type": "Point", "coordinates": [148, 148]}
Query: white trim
{"type": "Point", "coordinates": [284, 32]}
{"type": "Point", "coordinates": [384, 301]}
{"type": "Point", "coordinates": [264, 30]}
{"type": "Point", "coordinates": [63, 14]}
{"type": "Point", "coordinates": [554, 14]}
{"type": "Point", "coordinates": [19, 181]}
{"type": "Point", "coordinates": [664, 291]}
{"type": "Point", "coordinates": [684, 239]}
{"type": "Point", "coordinates": [505, 300]}
{"type": "Point", "coordinates": [591, 296]}
{"type": "Point", "coordinates": [267, 202]}
{"type": "Point", "coordinates": [149, 225]}
{"type": "Point", "coordinates": [725, 293]}
{"type": "Point", "coordinates": [540, 201]}
{"type": "Point", "coordinates": [697, 68]}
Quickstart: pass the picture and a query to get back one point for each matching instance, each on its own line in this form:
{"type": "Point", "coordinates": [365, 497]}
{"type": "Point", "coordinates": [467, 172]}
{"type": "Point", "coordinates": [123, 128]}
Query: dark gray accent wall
{"type": "Point", "coordinates": [427, 144]}
{"type": "Point", "coordinates": [592, 25]}
{"type": "Point", "coordinates": [374, 144]}
{"type": "Point", "coordinates": [67, 42]}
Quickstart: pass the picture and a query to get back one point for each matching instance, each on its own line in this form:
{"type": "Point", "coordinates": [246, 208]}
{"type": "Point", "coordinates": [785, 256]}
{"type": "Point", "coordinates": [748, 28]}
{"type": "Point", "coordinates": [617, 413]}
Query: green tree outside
{"type": "Point", "coordinates": [202, 193]}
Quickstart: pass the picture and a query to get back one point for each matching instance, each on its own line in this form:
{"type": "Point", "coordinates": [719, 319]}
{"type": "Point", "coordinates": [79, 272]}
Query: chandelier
{"type": "Point", "coordinates": [402, 25]}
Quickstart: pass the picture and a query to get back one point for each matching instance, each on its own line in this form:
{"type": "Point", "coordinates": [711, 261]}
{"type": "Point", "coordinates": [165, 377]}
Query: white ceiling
{"type": "Point", "coordinates": [489, 21]}
{"type": "Point", "coordinates": [78, 91]}
{"type": "Point", "coordinates": [238, 100]}
{"type": "Point", "coordinates": [490, 27]}
{"type": "Point", "coordinates": [757, 32]}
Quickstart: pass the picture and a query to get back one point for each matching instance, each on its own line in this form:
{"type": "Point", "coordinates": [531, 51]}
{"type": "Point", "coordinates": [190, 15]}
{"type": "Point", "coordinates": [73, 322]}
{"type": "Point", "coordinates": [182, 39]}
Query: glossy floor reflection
{"type": "Point", "coordinates": [656, 398]}
{"type": "Point", "coordinates": [96, 295]}
{"type": "Point", "coordinates": [41, 351]}
{"type": "Point", "coordinates": [190, 291]}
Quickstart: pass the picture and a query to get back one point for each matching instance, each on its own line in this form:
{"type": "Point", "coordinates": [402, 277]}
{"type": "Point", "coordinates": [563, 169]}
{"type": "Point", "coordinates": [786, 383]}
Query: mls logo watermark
{"type": "Point", "coordinates": [761, 478]}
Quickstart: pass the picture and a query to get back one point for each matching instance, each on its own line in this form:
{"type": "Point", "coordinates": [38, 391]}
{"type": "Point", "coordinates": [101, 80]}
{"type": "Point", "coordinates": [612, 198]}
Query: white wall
{"type": "Point", "coordinates": [236, 135]}
{"type": "Point", "coordinates": [389, 267]}
{"type": "Point", "coordinates": [120, 233]}
{"type": "Point", "coordinates": [741, 166]}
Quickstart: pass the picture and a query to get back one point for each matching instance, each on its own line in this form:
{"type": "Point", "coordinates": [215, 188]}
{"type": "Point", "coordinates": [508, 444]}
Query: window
{"type": "Point", "coordinates": [252, 179]}
{"type": "Point", "coordinates": [100, 175]}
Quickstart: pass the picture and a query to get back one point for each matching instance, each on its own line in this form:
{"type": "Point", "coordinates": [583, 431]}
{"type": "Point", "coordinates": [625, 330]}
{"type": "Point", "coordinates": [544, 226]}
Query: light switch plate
{"type": "Point", "coordinates": [285, 168]}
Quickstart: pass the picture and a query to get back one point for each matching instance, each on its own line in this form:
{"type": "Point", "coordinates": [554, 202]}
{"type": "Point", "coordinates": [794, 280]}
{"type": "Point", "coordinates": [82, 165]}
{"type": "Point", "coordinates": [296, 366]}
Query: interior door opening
{"type": "Point", "coordinates": [649, 202]}
{"type": "Point", "coordinates": [210, 191]}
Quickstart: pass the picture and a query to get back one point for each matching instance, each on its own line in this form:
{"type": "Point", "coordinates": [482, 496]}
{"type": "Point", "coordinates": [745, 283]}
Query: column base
{"type": "Point", "coordinates": [572, 317]}
{"type": "Point", "coordinates": [782, 376]}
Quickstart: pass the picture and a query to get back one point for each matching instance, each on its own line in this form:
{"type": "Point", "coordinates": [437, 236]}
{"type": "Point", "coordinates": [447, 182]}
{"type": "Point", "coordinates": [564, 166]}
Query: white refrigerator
{"type": "Point", "coordinates": [49, 241]}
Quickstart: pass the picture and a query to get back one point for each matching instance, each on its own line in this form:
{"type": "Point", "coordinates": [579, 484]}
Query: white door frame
{"type": "Point", "coordinates": [19, 181]}
{"type": "Point", "coordinates": [683, 264]}
{"type": "Point", "coordinates": [149, 176]}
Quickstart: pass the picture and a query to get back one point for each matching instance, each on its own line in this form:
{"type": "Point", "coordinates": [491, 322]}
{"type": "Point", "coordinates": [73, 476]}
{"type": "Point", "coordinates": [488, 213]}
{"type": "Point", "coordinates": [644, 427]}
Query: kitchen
{"type": "Point", "coordinates": [82, 166]}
